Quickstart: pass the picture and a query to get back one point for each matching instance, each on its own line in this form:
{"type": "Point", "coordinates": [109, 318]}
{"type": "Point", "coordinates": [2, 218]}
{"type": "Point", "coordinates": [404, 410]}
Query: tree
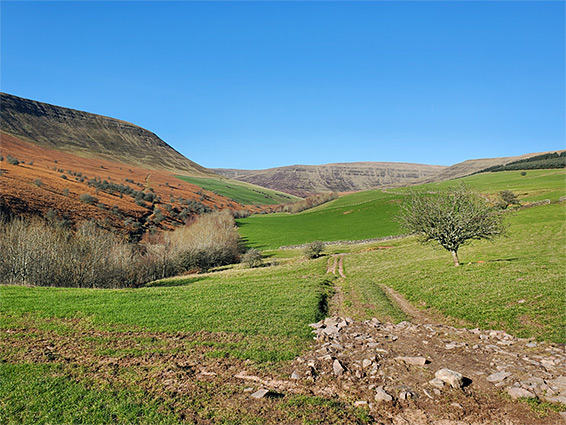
{"type": "Point", "coordinates": [451, 218]}
{"type": "Point", "coordinates": [508, 198]}
{"type": "Point", "coordinates": [313, 249]}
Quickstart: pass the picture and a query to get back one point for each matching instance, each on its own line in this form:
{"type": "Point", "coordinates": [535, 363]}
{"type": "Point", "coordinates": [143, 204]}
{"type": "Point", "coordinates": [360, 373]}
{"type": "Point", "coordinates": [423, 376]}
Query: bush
{"type": "Point", "coordinates": [88, 199]}
{"type": "Point", "coordinates": [38, 182]}
{"type": "Point", "coordinates": [313, 249]}
{"type": "Point", "coordinates": [252, 258]}
{"type": "Point", "coordinates": [12, 160]}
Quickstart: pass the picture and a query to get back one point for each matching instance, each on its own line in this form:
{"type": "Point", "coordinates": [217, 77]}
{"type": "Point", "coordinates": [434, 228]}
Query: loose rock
{"type": "Point", "coordinates": [452, 378]}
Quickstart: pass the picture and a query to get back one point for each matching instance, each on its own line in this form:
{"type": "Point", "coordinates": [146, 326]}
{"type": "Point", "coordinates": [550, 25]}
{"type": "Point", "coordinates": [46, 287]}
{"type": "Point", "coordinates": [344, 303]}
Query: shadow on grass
{"type": "Point", "coordinates": [178, 281]}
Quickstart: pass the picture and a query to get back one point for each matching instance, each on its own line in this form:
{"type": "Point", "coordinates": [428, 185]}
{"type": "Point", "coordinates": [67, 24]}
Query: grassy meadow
{"type": "Point", "coordinates": [515, 283]}
{"type": "Point", "coordinates": [244, 193]}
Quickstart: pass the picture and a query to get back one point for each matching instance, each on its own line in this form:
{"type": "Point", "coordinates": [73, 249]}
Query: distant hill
{"type": "Point", "coordinates": [473, 166]}
{"type": "Point", "coordinates": [91, 136]}
{"type": "Point", "coordinates": [304, 180]}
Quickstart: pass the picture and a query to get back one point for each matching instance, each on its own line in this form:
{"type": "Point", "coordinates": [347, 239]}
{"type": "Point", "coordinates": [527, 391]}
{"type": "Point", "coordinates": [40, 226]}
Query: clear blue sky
{"type": "Point", "coordinates": [264, 84]}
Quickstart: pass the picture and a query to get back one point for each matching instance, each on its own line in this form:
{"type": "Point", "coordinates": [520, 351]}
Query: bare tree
{"type": "Point", "coordinates": [451, 218]}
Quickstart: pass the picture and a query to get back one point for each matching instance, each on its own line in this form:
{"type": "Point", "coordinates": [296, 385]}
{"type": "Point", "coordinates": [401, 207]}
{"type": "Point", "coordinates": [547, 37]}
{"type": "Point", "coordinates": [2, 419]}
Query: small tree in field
{"type": "Point", "coordinates": [451, 218]}
{"type": "Point", "coordinates": [508, 198]}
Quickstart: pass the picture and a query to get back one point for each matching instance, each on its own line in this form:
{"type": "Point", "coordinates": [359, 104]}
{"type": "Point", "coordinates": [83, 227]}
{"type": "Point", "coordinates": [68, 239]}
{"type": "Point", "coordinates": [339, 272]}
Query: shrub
{"type": "Point", "coordinates": [211, 241]}
{"type": "Point", "coordinates": [38, 182]}
{"type": "Point", "coordinates": [11, 160]}
{"type": "Point", "coordinates": [313, 249]}
{"type": "Point", "coordinates": [88, 199]}
{"type": "Point", "coordinates": [65, 192]}
{"type": "Point", "coordinates": [252, 258]}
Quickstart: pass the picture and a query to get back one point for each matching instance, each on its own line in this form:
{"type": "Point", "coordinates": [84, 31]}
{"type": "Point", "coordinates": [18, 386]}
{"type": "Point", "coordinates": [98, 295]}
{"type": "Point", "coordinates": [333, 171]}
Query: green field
{"type": "Point", "coordinates": [370, 214]}
{"type": "Point", "coordinates": [515, 283]}
{"type": "Point", "coordinates": [247, 302]}
{"type": "Point", "coordinates": [99, 356]}
{"type": "Point", "coordinates": [358, 216]}
{"type": "Point", "coordinates": [243, 193]}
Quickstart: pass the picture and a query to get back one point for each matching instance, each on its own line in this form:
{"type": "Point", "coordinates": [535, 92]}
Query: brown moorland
{"type": "Point", "coordinates": [36, 185]}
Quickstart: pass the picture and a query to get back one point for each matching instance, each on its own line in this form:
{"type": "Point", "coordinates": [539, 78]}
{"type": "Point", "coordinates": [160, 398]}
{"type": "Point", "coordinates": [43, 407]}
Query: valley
{"type": "Point", "coordinates": [362, 333]}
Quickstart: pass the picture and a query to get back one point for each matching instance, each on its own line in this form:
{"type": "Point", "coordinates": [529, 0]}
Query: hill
{"type": "Point", "coordinates": [91, 136]}
{"type": "Point", "coordinates": [472, 166]}
{"type": "Point", "coordinates": [305, 180]}
{"type": "Point", "coordinates": [371, 214]}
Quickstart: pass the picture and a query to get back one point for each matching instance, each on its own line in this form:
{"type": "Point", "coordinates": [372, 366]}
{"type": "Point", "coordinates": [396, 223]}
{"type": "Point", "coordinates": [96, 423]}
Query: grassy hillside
{"type": "Point", "coordinates": [243, 193]}
{"type": "Point", "coordinates": [352, 217]}
{"type": "Point", "coordinates": [515, 283]}
{"type": "Point", "coordinates": [371, 214]}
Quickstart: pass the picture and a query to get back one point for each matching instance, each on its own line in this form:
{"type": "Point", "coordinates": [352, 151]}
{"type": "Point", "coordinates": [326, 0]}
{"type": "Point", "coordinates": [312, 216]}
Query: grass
{"type": "Point", "coordinates": [515, 283]}
{"type": "Point", "coordinates": [244, 193]}
{"type": "Point", "coordinates": [253, 303]}
{"type": "Point", "coordinates": [41, 393]}
{"type": "Point", "coordinates": [371, 214]}
{"type": "Point", "coordinates": [357, 216]}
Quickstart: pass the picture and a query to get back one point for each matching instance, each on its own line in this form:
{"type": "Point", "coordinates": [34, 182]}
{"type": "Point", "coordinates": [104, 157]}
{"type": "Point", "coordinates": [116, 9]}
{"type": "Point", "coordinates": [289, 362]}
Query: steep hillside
{"type": "Point", "coordinates": [91, 136]}
{"type": "Point", "coordinates": [38, 181]}
{"type": "Point", "coordinates": [304, 180]}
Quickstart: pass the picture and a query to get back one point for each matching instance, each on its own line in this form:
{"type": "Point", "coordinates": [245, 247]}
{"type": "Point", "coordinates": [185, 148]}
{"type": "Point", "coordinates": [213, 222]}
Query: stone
{"type": "Point", "coordinates": [558, 399]}
{"type": "Point", "coordinates": [437, 383]}
{"type": "Point", "coordinates": [498, 377]}
{"type": "Point", "coordinates": [559, 383]}
{"type": "Point", "coordinates": [330, 321]}
{"type": "Point", "coordinates": [414, 361]}
{"type": "Point", "coordinates": [454, 379]}
{"type": "Point", "coordinates": [295, 375]}
{"type": "Point", "coordinates": [405, 395]}
{"type": "Point", "coordinates": [316, 325]}
{"type": "Point", "coordinates": [330, 330]}
{"type": "Point", "coordinates": [427, 393]}
{"type": "Point", "coordinates": [366, 363]}
{"type": "Point", "coordinates": [361, 403]}
{"type": "Point", "coordinates": [456, 405]}
{"type": "Point", "coordinates": [516, 393]}
{"type": "Point", "coordinates": [338, 368]}
{"type": "Point", "coordinates": [381, 395]}
{"type": "Point", "coordinates": [260, 393]}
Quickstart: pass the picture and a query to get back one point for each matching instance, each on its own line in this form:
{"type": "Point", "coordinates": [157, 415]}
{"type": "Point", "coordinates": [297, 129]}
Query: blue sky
{"type": "Point", "coordinates": [265, 84]}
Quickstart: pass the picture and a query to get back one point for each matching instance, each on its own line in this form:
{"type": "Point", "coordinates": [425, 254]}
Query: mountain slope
{"type": "Point", "coordinates": [472, 166]}
{"type": "Point", "coordinates": [303, 180]}
{"type": "Point", "coordinates": [90, 135]}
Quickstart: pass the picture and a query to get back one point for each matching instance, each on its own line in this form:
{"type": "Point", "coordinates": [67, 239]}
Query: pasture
{"type": "Point", "coordinates": [241, 192]}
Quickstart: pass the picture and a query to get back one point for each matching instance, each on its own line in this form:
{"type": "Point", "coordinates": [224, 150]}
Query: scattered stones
{"type": "Point", "coordinates": [374, 360]}
{"type": "Point", "coordinates": [516, 392]}
{"type": "Point", "coordinates": [450, 377]}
